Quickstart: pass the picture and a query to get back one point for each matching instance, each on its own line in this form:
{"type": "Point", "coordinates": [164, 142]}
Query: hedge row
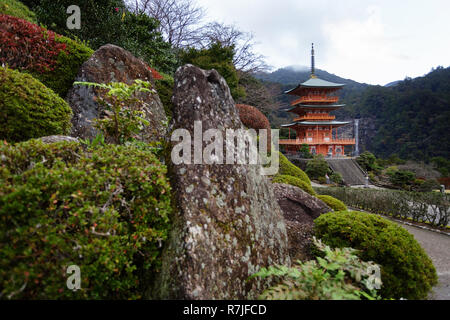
{"type": "Point", "coordinates": [428, 207]}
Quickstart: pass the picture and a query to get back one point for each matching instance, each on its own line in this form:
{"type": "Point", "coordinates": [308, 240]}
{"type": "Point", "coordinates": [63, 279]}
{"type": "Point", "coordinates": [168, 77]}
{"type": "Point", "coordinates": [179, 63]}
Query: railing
{"type": "Point", "coordinates": [315, 99]}
{"type": "Point", "coordinates": [316, 141]}
{"type": "Point", "coordinates": [315, 117]}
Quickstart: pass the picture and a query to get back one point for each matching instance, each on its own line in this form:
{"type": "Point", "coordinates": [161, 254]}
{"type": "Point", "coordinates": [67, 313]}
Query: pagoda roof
{"type": "Point", "coordinates": [315, 82]}
{"type": "Point", "coordinates": [315, 123]}
{"type": "Point", "coordinates": [314, 106]}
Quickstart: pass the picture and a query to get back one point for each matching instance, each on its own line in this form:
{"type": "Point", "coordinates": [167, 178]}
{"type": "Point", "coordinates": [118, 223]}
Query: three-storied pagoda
{"type": "Point", "coordinates": [314, 125]}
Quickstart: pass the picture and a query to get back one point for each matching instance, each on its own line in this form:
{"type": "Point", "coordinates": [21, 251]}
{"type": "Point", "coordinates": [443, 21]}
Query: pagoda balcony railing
{"type": "Point", "coordinates": [309, 99]}
{"type": "Point", "coordinates": [315, 117]}
{"type": "Point", "coordinates": [315, 141]}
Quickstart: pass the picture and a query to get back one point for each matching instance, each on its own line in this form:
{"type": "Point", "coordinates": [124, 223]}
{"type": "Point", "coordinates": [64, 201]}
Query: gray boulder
{"type": "Point", "coordinates": [228, 223]}
{"type": "Point", "coordinates": [58, 138]}
{"type": "Point", "coordinates": [299, 211]}
{"type": "Point", "coordinates": [111, 63]}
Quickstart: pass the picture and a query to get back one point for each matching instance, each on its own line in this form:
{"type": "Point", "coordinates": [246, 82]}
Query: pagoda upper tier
{"type": "Point", "coordinates": [315, 102]}
{"type": "Point", "coordinates": [314, 83]}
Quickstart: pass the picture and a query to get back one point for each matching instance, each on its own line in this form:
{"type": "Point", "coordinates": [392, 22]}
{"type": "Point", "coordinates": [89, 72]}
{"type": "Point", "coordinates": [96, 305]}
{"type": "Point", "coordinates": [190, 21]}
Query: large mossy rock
{"type": "Point", "coordinates": [299, 211]}
{"type": "Point", "coordinates": [227, 223]}
{"type": "Point", "coordinates": [111, 63]}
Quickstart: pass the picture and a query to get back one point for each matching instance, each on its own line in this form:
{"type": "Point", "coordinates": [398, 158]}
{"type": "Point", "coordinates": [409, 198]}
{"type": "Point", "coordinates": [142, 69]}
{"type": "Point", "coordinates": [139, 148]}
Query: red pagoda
{"type": "Point", "coordinates": [313, 124]}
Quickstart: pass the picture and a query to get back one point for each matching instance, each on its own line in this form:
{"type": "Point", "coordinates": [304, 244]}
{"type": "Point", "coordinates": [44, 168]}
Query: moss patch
{"type": "Point", "coordinates": [17, 9]}
{"type": "Point", "coordinates": [29, 109]}
{"type": "Point", "coordinates": [293, 181]}
{"type": "Point", "coordinates": [289, 169]}
{"type": "Point", "coordinates": [333, 203]}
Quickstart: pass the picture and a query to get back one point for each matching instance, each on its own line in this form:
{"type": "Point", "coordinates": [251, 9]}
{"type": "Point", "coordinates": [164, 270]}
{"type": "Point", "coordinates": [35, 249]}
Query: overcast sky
{"type": "Point", "coordinates": [371, 41]}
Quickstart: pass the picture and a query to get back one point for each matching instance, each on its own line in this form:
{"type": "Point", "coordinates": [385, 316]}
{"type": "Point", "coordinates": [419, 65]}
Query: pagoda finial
{"type": "Point", "coordinates": [313, 75]}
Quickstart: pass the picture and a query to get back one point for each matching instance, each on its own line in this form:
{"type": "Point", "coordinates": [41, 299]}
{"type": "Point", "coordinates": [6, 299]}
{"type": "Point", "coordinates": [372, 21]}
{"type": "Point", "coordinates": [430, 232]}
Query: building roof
{"type": "Point", "coordinates": [315, 123]}
{"type": "Point", "coordinates": [314, 83]}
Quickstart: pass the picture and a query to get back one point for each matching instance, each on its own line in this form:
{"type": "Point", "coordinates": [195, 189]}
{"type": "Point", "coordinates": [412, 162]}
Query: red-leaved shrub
{"type": "Point", "coordinates": [156, 75]}
{"type": "Point", "coordinates": [254, 119]}
{"type": "Point", "coordinates": [19, 38]}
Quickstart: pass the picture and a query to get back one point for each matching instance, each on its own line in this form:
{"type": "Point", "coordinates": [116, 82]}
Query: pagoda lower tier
{"type": "Point", "coordinates": [322, 137]}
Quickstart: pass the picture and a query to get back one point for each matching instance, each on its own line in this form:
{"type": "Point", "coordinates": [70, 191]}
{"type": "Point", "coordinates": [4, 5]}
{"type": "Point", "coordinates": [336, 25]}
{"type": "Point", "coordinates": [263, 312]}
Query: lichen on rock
{"type": "Point", "coordinates": [228, 223]}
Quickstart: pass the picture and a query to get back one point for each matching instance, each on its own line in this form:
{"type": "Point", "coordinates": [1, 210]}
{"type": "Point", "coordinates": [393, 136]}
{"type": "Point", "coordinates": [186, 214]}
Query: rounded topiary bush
{"type": "Point", "coordinates": [333, 203]}
{"type": "Point", "coordinates": [28, 109]}
{"type": "Point", "coordinates": [53, 59]}
{"type": "Point", "coordinates": [104, 209]}
{"type": "Point", "coordinates": [252, 118]}
{"type": "Point", "coordinates": [17, 9]}
{"type": "Point", "coordinates": [406, 270]}
{"type": "Point", "coordinates": [289, 169]}
{"type": "Point", "coordinates": [293, 181]}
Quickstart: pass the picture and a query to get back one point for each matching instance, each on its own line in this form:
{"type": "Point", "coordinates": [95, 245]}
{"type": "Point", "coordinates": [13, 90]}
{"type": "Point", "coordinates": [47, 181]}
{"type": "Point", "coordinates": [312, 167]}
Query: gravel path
{"type": "Point", "coordinates": [437, 247]}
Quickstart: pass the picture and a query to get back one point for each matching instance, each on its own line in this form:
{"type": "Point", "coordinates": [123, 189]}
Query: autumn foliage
{"type": "Point", "coordinates": [254, 119]}
{"type": "Point", "coordinates": [19, 37]}
{"type": "Point", "coordinates": [49, 57]}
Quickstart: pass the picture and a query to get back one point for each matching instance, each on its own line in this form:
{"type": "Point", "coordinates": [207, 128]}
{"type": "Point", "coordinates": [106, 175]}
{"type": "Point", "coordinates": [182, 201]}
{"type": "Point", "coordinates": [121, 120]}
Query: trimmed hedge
{"type": "Point", "coordinates": [289, 169]}
{"type": "Point", "coordinates": [333, 203]}
{"type": "Point", "coordinates": [428, 207]}
{"type": "Point", "coordinates": [406, 270]}
{"type": "Point", "coordinates": [28, 109]}
{"type": "Point", "coordinates": [53, 59]}
{"type": "Point", "coordinates": [17, 9]}
{"type": "Point", "coordinates": [104, 209]}
{"type": "Point", "coordinates": [252, 118]}
{"type": "Point", "coordinates": [293, 181]}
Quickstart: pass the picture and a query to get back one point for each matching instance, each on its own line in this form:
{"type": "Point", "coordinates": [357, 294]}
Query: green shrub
{"type": "Point", "coordinates": [340, 275]}
{"type": "Point", "coordinates": [164, 87]}
{"type": "Point", "coordinates": [67, 66]}
{"type": "Point", "coordinates": [336, 177]}
{"type": "Point", "coordinates": [219, 57]}
{"type": "Point", "coordinates": [109, 22]}
{"type": "Point", "coordinates": [28, 109]}
{"type": "Point", "coordinates": [125, 120]}
{"type": "Point", "coordinates": [104, 209]}
{"type": "Point", "coordinates": [406, 270]}
{"type": "Point", "coordinates": [17, 9]}
{"type": "Point", "coordinates": [317, 167]}
{"type": "Point", "coordinates": [333, 203]}
{"type": "Point", "coordinates": [401, 178]}
{"type": "Point", "coordinates": [322, 180]}
{"type": "Point", "coordinates": [289, 169]}
{"type": "Point", "coordinates": [293, 181]}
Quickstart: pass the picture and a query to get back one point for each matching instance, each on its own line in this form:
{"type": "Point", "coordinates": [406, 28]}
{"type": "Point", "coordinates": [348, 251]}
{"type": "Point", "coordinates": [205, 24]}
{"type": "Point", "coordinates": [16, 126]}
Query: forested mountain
{"type": "Point", "coordinates": [411, 117]}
